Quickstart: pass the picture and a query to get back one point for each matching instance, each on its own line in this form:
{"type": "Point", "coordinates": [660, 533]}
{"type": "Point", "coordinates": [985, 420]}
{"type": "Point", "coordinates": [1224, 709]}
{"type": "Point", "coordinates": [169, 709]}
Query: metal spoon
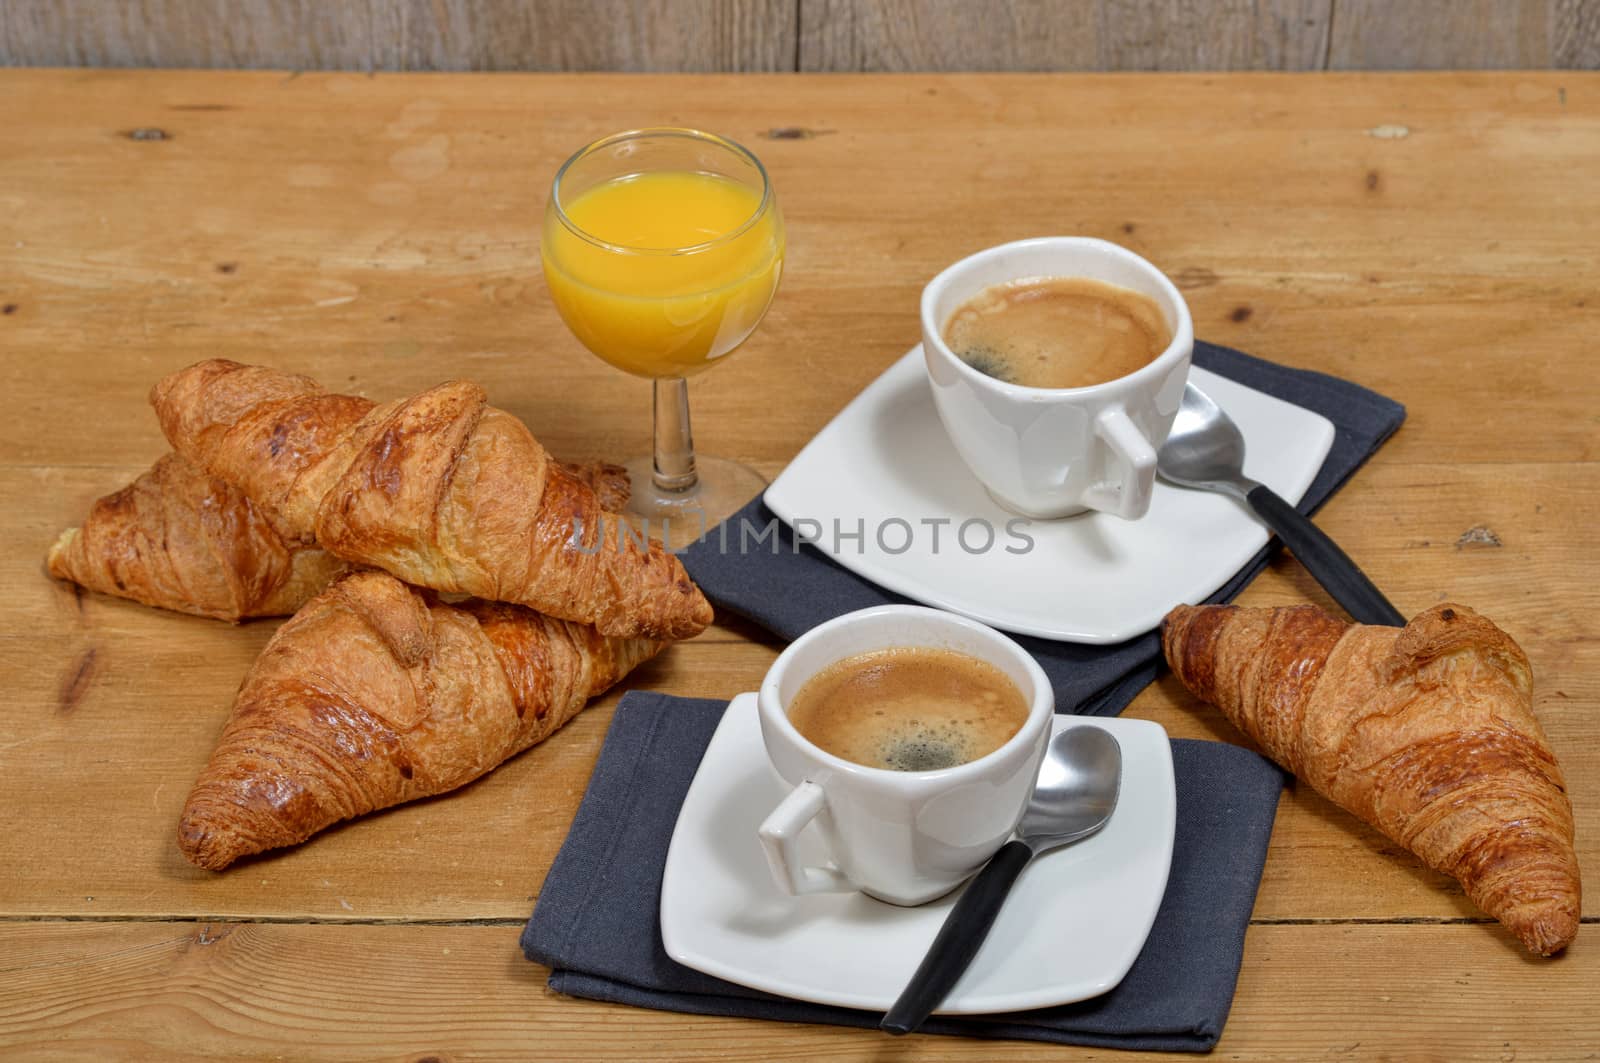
{"type": "Point", "coordinates": [1076, 791]}
{"type": "Point", "coordinates": [1206, 450]}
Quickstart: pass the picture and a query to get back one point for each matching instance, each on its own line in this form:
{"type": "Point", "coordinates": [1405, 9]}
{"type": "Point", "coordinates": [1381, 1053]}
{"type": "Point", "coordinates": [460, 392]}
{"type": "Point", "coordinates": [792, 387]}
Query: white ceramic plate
{"type": "Point", "coordinates": [1072, 927]}
{"type": "Point", "coordinates": [1092, 578]}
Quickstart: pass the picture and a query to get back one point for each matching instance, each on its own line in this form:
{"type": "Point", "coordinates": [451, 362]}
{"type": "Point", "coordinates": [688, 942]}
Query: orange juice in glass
{"type": "Point", "coordinates": [662, 249]}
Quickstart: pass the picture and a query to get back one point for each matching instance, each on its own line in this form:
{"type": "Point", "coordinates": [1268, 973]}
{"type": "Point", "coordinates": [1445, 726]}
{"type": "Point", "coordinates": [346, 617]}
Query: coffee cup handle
{"type": "Point", "coordinates": [780, 835]}
{"type": "Point", "coordinates": [1133, 470]}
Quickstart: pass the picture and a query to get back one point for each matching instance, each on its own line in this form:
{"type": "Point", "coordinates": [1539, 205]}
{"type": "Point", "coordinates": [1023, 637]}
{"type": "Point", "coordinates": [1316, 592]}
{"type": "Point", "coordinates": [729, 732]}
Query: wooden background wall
{"type": "Point", "coordinates": [777, 35]}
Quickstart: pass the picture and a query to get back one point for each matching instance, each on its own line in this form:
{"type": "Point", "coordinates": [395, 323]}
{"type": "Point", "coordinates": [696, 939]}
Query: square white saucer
{"type": "Point", "coordinates": [1073, 925]}
{"type": "Point", "coordinates": [1091, 578]}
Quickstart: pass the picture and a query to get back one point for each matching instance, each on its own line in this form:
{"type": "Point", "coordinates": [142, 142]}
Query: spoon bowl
{"type": "Point", "coordinates": [1077, 790]}
{"type": "Point", "coordinates": [1205, 447]}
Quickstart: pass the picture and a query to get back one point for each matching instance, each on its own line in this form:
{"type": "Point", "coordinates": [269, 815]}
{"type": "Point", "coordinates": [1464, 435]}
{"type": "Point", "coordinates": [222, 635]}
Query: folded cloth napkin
{"type": "Point", "coordinates": [789, 592]}
{"type": "Point", "coordinates": [597, 924]}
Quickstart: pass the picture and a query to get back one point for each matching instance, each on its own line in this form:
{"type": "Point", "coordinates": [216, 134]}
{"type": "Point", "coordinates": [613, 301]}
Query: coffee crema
{"type": "Point", "coordinates": [909, 709]}
{"type": "Point", "coordinates": [1057, 332]}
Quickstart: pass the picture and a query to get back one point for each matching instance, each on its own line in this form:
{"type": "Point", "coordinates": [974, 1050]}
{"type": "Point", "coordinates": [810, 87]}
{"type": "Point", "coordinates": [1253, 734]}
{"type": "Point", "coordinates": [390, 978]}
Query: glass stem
{"type": "Point", "coordinates": [674, 443]}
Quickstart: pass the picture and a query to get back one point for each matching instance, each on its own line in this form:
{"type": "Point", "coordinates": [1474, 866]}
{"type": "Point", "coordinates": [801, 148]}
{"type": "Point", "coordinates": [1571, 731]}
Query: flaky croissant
{"type": "Point", "coordinates": [440, 489]}
{"type": "Point", "coordinates": [1426, 732]}
{"type": "Point", "coordinates": [374, 694]}
{"type": "Point", "coordinates": [178, 539]}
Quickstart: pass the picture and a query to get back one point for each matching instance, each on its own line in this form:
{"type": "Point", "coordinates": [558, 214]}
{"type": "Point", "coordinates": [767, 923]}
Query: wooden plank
{"type": "Point", "coordinates": [1575, 34]}
{"type": "Point", "coordinates": [402, 244]}
{"type": "Point", "coordinates": [951, 35]}
{"type": "Point", "coordinates": [648, 35]}
{"type": "Point", "coordinates": [186, 991]}
{"type": "Point", "coordinates": [629, 35]}
{"type": "Point", "coordinates": [835, 35]}
{"type": "Point", "coordinates": [112, 709]}
{"type": "Point", "coordinates": [901, 35]}
{"type": "Point", "coordinates": [1234, 35]}
{"type": "Point", "coordinates": [288, 34]}
{"type": "Point", "coordinates": [1440, 35]}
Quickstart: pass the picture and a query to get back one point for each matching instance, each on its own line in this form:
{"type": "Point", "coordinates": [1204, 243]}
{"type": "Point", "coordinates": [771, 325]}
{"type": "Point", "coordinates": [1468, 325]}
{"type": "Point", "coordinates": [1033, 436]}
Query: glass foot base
{"type": "Point", "coordinates": [678, 518]}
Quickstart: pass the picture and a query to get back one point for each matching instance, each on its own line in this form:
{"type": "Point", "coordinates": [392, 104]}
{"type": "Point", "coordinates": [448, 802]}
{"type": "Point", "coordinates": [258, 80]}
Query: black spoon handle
{"type": "Point", "coordinates": [959, 940]}
{"type": "Point", "coordinates": [1321, 556]}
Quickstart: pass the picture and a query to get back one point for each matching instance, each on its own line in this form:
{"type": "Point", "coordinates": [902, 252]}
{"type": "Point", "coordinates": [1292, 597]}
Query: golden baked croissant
{"type": "Point", "coordinates": [179, 539]}
{"type": "Point", "coordinates": [374, 694]}
{"type": "Point", "coordinates": [440, 489]}
{"type": "Point", "coordinates": [1425, 732]}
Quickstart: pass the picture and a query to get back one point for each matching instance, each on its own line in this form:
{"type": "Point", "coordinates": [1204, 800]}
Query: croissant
{"type": "Point", "coordinates": [440, 489]}
{"type": "Point", "coordinates": [375, 694]}
{"type": "Point", "coordinates": [178, 539]}
{"type": "Point", "coordinates": [1426, 732]}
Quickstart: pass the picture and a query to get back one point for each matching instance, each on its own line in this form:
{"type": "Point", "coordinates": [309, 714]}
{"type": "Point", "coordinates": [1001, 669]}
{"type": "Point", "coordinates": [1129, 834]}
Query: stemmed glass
{"type": "Point", "coordinates": [662, 249]}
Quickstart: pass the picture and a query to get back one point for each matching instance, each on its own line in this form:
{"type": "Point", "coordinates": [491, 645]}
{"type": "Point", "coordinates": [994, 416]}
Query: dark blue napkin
{"type": "Point", "coordinates": [597, 925]}
{"type": "Point", "coordinates": [789, 591]}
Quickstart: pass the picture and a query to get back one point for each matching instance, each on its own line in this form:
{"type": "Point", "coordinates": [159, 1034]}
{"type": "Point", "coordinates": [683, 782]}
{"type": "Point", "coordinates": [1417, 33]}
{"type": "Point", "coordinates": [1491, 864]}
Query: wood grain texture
{"type": "Point", "coordinates": [1232, 35]}
{"type": "Point", "coordinates": [384, 235]}
{"type": "Point", "coordinates": [571, 35]}
{"type": "Point", "coordinates": [900, 35]}
{"type": "Point", "coordinates": [1421, 234]}
{"type": "Point", "coordinates": [1441, 34]}
{"type": "Point", "coordinates": [626, 35]}
{"type": "Point", "coordinates": [910, 35]}
{"type": "Point", "coordinates": [191, 991]}
{"type": "Point", "coordinates": [1575, 34]}
{"type": "Point", "coordinates": [807, 35]}
{"type": "Point", "coordinates": [287, 34]}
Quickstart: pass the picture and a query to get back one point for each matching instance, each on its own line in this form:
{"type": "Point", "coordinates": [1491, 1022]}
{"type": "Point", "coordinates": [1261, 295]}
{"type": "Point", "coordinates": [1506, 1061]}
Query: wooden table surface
{"type": "Point", "coordinates": [1432, 236]}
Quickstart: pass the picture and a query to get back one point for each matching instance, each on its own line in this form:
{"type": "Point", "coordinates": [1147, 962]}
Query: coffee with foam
{"type": "Point", "coordinates": [1057, 332]}
{"type": "Point", "coordinates": [909, 709]}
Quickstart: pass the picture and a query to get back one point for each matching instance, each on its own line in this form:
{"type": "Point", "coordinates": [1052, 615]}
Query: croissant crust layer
{"type": "Point", "coordinates": [375, 694]}
{"type": "Point", "coordinates": [439, 489]}
{"type": "Point", "coordinates": [179, 539]}
{"type": "Point", "coordinates": [1425, 732]}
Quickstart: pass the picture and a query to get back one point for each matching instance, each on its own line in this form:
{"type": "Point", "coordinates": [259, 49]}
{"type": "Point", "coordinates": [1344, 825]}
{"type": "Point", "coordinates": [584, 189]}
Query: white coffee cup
{"type": "Point", "coordinates": [1053, 452]}
{"type": "Point", "coordinates": [903, 837]}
